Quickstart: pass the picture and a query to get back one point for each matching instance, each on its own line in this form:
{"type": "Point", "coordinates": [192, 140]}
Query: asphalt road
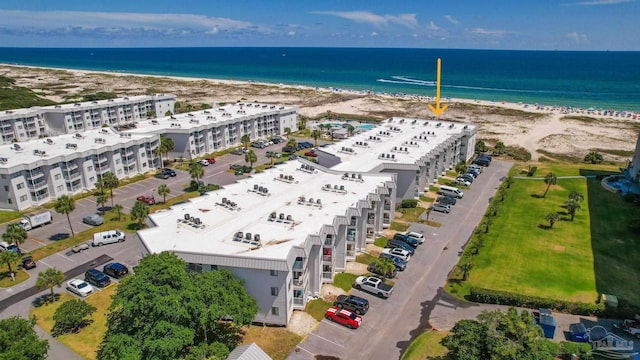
{"type": "Point", "coordinates": [391, 325]}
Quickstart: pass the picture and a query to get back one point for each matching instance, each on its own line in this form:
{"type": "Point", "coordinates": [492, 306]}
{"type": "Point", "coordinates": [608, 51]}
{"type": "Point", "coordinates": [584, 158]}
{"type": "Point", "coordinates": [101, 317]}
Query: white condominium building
{"type": "Point", "coordinates": [35, 172]}
{"type": "Point", "coordinates": [284, 231]}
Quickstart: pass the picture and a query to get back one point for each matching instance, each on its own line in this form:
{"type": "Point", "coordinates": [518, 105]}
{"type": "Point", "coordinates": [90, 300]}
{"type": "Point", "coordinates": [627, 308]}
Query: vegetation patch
{"type": "Point", "coordinates": [17, 97]}
{"type": "Point", "coordinates": [6, 280]}
{"type": "Point", "coordinates": [317, 308]}
{"type": "Point", "coordinates": [616, 152]}
{"type": "Point", "coordinates": [412, 215]}
{"type": "Point", "coordinates": [365, 258]}
{"type": "Point", "coordinates": [399, 226]}
{"type": "Point", "coordinates": [381, 241]}
{"type": "Point", "coordinates": [426, 346]}
{"type": "Point", "coordinates": [277, 342]}
{"type": "Point", "coordinates": [344, 281]}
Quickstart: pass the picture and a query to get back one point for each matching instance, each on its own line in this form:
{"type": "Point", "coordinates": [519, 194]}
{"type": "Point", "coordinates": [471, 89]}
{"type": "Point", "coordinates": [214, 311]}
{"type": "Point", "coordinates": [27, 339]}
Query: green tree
{"type": "Point", "coordinates": [287, 131]}
{"type": "Point", "coordinates": [499, 147]}
{"type": "Point", "coordinates": [466, 341]}
{"type": "Point", "coordinates": [574, 195]}
{"type": "Point", "coordinates": [65, 205]}
{"type": "Point", "coordinates": [100, 185]}
{"type": "Point", "coordinates": [350, 129]}
{"type": "Point", "coordinates": [245, 140]}
{"type": "Point", "coordinates": [552, 218]}
{"type": "Point", "coordinates": [272, 155]}
{"type": "Point", "coordinates": [165, 310]}
{"type": "Point", "coordinates": [101, 199]}
{"type": "Point", "coordinates": [549, 179]}
{"type": "Point", "coordinates": [481, 146]}
{"type": "Point", "coordinates": [461, 168]}
{"type": "Point", "coordinates": [168, 113]}
{"type": "Point", "coordinates": [15, 234]}
{"type": "Point", "coordinates": [18, 340]}
{"type": "Point", "coordinates": [164, 190]}
{"type": "Point", "coordinates": [9, 258]}
{"type": "Point", "coordinates": [316, 134]}
{"type": "Point", "coordinates": [251, 157]}
{"type": "Point", "coordinates": [50, 278]}
{"type": "Point", "coordinates": [466, 267]}
{"type": "Point", "coordinates": [139, 212]}
{"type": "Point", "coordinates": [72, 316]}
{"type": "Point", "coordinates": [292, 143]}
{"type": "Point", "coordinates": [572, 206]}
{"type": "Point", "coordinates": [166, 145]}
{"type": "Point", "coordinates": [110, 181]}
{"type": "Point", "coordinates": [508, 181]}
{"type": "Point", "coordinates": [593, 157]}
{"type": "Point", "coordinates": [385, 265]}
{"type": "Point", "coordinates": [118, 208]}
{"type": "Point", "coordinates": [196, 170]}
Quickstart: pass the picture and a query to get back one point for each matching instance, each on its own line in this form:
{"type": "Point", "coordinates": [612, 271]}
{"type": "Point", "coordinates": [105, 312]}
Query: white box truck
{"type": "Point", "coordinates": [31, 221]}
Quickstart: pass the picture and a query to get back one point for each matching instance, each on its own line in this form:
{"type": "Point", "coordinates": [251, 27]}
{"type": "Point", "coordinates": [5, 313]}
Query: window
{"type": "Point", "coordinates": [90, 168]}
{"type": "Point", "coordinates": [120, 172]}
{"type": "Point", "coordinates": [273, 272]}
{"type": "Point", "coordinates": [20, 186]}
{"type": "Point", "coordinates": [274, 291]}
{"type": "Point", "coordinates": [57, 176]}
{"type": "Point", "coordinates": [59, 188]}
{"type": "Point", "coordinates": [9, 201]}
{"type": "Point", "coordinates": [23, 198]}
{"type": "Point", "coordinates": [117, 161]}
{"type": "Point", "coordinates": [275, 311]}
{"type": "Point", "coordinates": [6, 188]}
{"type": "Point", "coordinates": [92, 179]}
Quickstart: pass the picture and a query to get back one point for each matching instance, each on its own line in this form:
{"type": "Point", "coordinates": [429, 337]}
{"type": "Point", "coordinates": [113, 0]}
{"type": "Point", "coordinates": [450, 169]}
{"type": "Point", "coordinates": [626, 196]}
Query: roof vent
{"type": "Point", "coordinates": [49, 142]}
{"type": "Point", "coordinates": [71, 146]}
{"type": "Point", "coordinates": [3, 160]}
{"type": "Point", "coordinates": [16, 147]}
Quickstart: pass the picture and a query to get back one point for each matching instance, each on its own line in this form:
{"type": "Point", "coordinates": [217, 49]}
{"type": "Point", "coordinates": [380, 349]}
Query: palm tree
{"type": "Point", "coordinates": [101, 199]}
{"type": "Point", "coordinates": [499, 147]}
{"type": "Point", "coordinates": [64, 205]}
{"type": "Point", "coordinates": [315, 134]}
{"type": "Point", "coordinates": [100, 185]}
{"type": "Point", "coordinates": [574, 195]}
{"type": "Point", "coordinates": [552, 218]}
{"type": "Point", "coordinates": [287, 131]}
{"type": "Point", "coordinates": [350, 129]}
{"type": "Point", "coordinates": [427, 212]}
{"type": "Point", "coordinates": [272, 155]}
{"type": "Point", "coordinates": [158, 152]}
{"type": "Point", "coordinates": [572, 206]}
{"type": "Point", "coordinates": [111, 182]}
{"type": "Point", "coordinates": [466, 267]}
{"type": "Point", "coordinates": [49, 278]}
{"type": "Point", "coordinates": [481, 146]}
{"type": "Point", "coordinates": [139, 212]}
{"type": "Point", "coordinates": [245, 139]}
{"type": "Point", "coordinates": [550, 179]}
{"type": "Point", "coordinates": [118, 208]}
{"type": "Point", "coordinates": [292, 143]}
{"type": "Point", "coordinates": [250, 157]}
{"type": "Point", "coordinates": [15, 234]}
{"type": "Point", "coordinates": [196, 170]}
{"type": "Point", "coordinates": [461, 168]}
{"type": "Point", "coordinates": [164, 190]}
{"type": "Point", "coordinates": [9, 257]}
{"type": "Point", "coordinates": [166, 145]}
{"type": "Point", "coordinates": [593, 157]}
{"type": "Point", "coordinates": [385, 266]}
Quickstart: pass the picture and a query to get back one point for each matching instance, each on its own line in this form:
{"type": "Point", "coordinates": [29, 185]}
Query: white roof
{"type": "Point", "coordinates": [57, 146]}
{"type": "Point", "coordinates": [276, 238]}
{"type": "Point", "coordinates": [205, 118]}
{"type": "Point", "coordinates": [395, 132]}
{"type": "Point", "coordinates": [106, 103]}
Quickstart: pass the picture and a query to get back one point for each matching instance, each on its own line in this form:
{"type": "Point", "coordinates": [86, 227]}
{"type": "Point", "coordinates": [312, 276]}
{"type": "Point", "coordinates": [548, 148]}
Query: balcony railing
{"type": "Point", "coordinates": [351, 238]}
{"type": "Point", "coordinates": [327, 275]}
{"type": "Point", "coordinates": [327, 258]}
{"type": "Point", "coordinates": [370, 221]}
{"type": "Point", "coordinates": [351, 253]}
{"type": "Point", "coordinates": [71, 176]}
{"type": "Point", "coordinates": [298, 301]}
{"type": "Point", "coordinates": [37, 185]}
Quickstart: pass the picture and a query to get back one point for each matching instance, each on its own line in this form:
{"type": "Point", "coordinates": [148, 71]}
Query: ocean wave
{"type": "Point", "coordinates": [411, 81]}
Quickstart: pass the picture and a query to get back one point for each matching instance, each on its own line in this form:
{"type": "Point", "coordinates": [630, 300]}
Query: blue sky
{"type": "Point", "coordinates": [469, 24]}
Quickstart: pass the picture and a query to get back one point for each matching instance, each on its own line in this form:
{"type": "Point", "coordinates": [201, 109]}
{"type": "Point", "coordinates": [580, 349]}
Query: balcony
{"type": "Point", "coordinates": [327, 275]}
{"type": "Point", "coordinates": [327, 258]}
{"type": "Point", "coordinates": [37, 185]}
{"type": "Point", "coordinates": [69, 166]}
{"type": "Point", "coordinates": [351, 237]}
{"type": "Point", "coordinates": [72, 176]}
{"type": "Point", "coordinates": [298, 301]}
{"type": "Point", "coordinates": [298, 264]}
{"type": "Point", "coordinates": [370, 221]}
{"type": "Point", "coordinates": [33, 175]}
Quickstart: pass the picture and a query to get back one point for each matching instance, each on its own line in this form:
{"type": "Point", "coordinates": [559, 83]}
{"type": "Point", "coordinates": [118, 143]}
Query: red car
{"type": "Point", "coordinates": [343, 317]}
{"type": "Point", "coordinates": [149, 200]}
{"type": "Point", "coordinates": [311, 153]}
{"type": "Point", "coordinates": [211, 160]}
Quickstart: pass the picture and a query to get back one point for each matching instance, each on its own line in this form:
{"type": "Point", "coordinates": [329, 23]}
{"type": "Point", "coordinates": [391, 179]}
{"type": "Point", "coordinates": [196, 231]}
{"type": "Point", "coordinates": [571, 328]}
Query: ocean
{"type": "Point", "coordinates": [602, 80]}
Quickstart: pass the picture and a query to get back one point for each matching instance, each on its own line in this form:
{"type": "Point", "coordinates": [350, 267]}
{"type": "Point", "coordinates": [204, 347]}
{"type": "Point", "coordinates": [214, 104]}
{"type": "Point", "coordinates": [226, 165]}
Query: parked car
{"type": "Point", "coordinates": [306, 144]}
{"type": "Point", "coordinates": [398, 252]}
{"type": "Point", "coordinates": [108, 237]}
{"type": "Point", "coordinates": [97, 278]}
{"type": "Point", "coordinates": [238, 151]}
{"type": "Point", "coordinates": [27, 263]}
{"type": "Point", "coordinates": [115, 270]}
{"type": "Point", "coordinates": [258, 144]}
{"type": "Point", "coordinates": [578, 332]}
{"type": "Point", "coordinates": [93, 219]}
{"type": "Point", "coordinates": [400, 264]}
{"type": "Point", "coordinates": [275, 154]}
{"type": "Point", "coordinates": [413, 242]}
{"type": "Point", "coordinates": [373, 285]}
{"type": "Point", "coordinates": [373, 268]}
{"type": "Point", "coordinates": [450, 200]}
{"type": "Point", "coordinates": [395, 243]}
{"type": "Point", "coordinates": [203, 162]}
{"type": "Point", "coordinates": [473, 172]}
{"type": "Point", "coordinates": [445, 208]}
{"type": "Point", "coordinates": [79, 287]}
{"type": "Point", "coordinates": [416, 235]}
{"type": "Point", "coordinates": [166, 173]}
{"type": "Point", "coordinates": [211, 160]}
{"type": "Point", "coordinates": [460, 181]}
{"type": "Point", "coordinates": [149, 200]}
{"type": "Point", "coordinates": [475, 167]}
{"type": "Point", "coordinates": [467, 177]}
{"type": "Point", "coordinates": [5, 246]}
{"type": "Point", "coordinates": [343, 317]}
{"type": "Point", "coordinates": [353, 303]}
{"type": "Point", "coordinates": [289, 149]}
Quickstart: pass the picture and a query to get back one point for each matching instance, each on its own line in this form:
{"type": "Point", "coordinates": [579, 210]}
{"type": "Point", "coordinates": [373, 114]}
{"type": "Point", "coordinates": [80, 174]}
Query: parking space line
{"type": "Point", "coordinates": [303, 349]}
{"type": "Point", "coordinates": [325, 339]}
{"type": "Point", "coordinates": [40, 261]}
{"type": "Point", "coordinates": [64, 257]}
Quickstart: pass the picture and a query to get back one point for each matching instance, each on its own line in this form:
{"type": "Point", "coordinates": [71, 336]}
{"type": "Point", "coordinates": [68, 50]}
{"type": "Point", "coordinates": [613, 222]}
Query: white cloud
{"type": "Point", "coordinates": [488, 32]}
{"type": "Point", "coordinates": [374, 34]}
{"type": "Point", "coordinates": [600, 2]}
{"type": "Point", "coordinates": [432, 26]}
{"type": "Point", "coordinates": [578, 38]}
{"type": "Point", "coordinates": [367, 17]}
{"type": "Point", "coordinates": [291, 33]}
{"type": "Point", "coordinates": [451, 19]}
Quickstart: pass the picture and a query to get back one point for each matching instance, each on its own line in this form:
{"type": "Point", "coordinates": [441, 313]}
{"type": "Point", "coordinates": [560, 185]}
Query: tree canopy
{"type": "Point", "coordinates": [18, 340]}
{"type": "Point", "coordinates": [167, 312]}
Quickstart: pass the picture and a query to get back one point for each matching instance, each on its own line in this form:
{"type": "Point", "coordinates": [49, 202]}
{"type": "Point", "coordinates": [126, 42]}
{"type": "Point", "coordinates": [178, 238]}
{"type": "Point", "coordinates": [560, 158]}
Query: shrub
{"type": "Point", "coordinates": [72, 316]}
{"type": "Point", "coordinates": [567, 349]}
{"type": "Point", "coordinates": [532, 170]}
{"type": "Point", "coordinates": [409, 203]}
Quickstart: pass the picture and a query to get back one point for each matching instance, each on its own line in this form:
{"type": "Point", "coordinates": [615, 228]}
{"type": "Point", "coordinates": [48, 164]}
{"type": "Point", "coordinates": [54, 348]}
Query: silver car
{"type": "Point", "coordinates": [445, 208]}
{"type": "Point", "coordinates": [93, 219]}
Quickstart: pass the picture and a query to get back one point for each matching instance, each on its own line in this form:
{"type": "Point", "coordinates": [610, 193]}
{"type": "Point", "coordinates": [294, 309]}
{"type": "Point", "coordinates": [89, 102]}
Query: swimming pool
{"type": "Point", "coordinates": [366, 126]}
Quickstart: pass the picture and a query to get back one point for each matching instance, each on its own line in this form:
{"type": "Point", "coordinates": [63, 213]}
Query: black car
{"type": "Point", "coordinates": [450, 200]}
{"type": "Point", "coordinates": [394, 243]}
{"type": "Point", "coordinates": [27, 263]}
{"type": "Point", "coordinates": [115, 270]}
{"type": "Point", "coordinates": [407, 239]}
{"type": "Point", "coordinates": [166, 173]}
{"type": "Point", "coordinates": [467, 177]}
{"type": "Point", "coordinates": [352, 303]}
{"type": "Point", "coordinates": [97, 278]}
{"type": "Point", "coordinates": [289, 149]}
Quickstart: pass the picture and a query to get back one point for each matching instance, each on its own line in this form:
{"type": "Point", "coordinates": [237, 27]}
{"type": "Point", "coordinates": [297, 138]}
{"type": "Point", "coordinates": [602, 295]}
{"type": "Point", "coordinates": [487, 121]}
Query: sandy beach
{"type": "Point", "coordinates": [548, 131]}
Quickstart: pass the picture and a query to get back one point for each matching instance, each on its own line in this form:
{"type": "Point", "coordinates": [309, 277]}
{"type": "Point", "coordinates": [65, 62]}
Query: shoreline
{"type": "Point", "coordinates": [541, 130]}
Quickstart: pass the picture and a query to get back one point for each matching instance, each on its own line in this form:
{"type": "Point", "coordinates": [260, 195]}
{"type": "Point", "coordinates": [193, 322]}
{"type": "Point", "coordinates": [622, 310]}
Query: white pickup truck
{"type": "Point", "coordinates": [373, 285]}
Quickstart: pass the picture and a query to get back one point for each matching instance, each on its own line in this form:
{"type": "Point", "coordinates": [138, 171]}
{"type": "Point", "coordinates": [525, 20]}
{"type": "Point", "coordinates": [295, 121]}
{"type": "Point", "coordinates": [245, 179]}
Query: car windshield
{"type": "Point", "coordinates": [82, 285]}
{"type": "Point", "coordinates": [353, 316]}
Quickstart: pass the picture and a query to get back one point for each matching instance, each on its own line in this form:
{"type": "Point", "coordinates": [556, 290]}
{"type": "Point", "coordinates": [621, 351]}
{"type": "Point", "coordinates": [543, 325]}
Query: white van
{"type": "Point", "coordinates": [450, 191]}
{"type": "Point", "coordinates": [416, 235]}
{"type": "Point", "coordinates": [108, 237]}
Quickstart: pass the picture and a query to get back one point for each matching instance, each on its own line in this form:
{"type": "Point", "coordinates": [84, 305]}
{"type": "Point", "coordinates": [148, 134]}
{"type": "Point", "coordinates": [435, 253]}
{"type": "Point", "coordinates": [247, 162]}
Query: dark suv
{"type": "Point", "coordinates": [450, 200]}
{"type": "Point", "coordinates": [166, 173]}
{"type": "Point", "coordinates": [353, 303]}
{"type": "Point", "coordinates": [407, 239]}
{"type": "Point", "coordinates": [395, 243]}
{"type": "Point", "coordinates": [97, 278]}
{"type": "Point", "coordinates": [115, 270]}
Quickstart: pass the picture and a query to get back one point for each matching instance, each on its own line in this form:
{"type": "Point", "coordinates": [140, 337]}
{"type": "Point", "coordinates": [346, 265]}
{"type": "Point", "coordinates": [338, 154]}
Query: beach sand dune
{"type": "Point", "coordinates": [542, 130]}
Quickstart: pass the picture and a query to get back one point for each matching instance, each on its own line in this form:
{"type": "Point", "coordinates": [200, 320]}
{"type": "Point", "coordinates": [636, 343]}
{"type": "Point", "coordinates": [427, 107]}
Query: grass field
{"type": "Point", "coordinates": [426, 346]}
{"type": "Point", "coordinates": [576, 260]}
{"type": "Point", "coordinates": [276, 342]}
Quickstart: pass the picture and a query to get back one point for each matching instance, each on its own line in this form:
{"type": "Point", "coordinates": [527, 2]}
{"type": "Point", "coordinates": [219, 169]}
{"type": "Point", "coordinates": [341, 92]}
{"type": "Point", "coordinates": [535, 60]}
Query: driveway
{"type": "Point", "coordinates": [391, 325]}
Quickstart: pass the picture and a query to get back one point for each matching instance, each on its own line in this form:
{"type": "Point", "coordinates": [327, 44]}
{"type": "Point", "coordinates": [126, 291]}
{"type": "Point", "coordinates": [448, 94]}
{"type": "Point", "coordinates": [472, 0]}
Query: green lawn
{"type": "Point", "coordinates": [344, 281]}
{"type": "Point", "coordinates": [426, 346]}
{"type": "Point", "coordinates": [317, 308]}
{"type": "Point", "coordinates": [573, 261]}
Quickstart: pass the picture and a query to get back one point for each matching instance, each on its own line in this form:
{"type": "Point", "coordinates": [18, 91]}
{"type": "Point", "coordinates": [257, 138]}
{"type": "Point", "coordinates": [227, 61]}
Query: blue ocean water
{"type": "Point", "coordinates": [606, 80]}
